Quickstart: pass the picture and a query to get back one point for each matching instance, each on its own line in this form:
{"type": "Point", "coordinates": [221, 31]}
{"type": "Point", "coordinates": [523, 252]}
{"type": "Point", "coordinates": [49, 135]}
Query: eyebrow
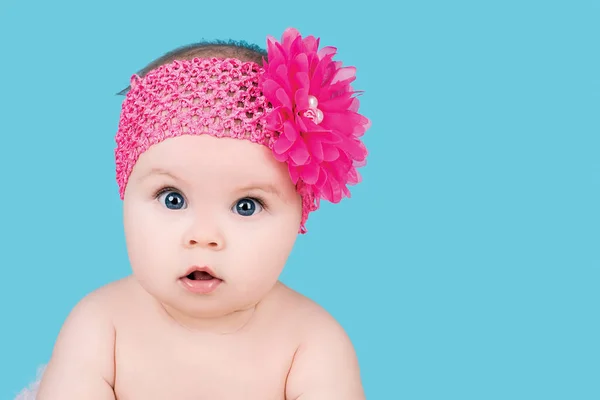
{"type": "Point", "coordinates": [265, 187]}
{"type": "Point", "coordinates": [158, 171]}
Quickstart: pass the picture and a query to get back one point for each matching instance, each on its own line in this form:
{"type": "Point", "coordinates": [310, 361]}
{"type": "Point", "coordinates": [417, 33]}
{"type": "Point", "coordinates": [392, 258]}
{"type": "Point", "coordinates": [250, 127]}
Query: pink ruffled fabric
{"type": "Point", "coordinates": [315, 115]}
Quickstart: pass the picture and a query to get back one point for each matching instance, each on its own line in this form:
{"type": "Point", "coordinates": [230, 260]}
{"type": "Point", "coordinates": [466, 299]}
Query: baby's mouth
{"type": "Point", "coordinates": [199, 276]}
{"type": "Point", "coordinates": [200, 280]}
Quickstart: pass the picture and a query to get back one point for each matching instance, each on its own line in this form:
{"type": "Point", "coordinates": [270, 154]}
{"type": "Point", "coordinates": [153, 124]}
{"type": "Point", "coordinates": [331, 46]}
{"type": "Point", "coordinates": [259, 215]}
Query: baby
{"type": "Point", "coordinates": [223, 150]}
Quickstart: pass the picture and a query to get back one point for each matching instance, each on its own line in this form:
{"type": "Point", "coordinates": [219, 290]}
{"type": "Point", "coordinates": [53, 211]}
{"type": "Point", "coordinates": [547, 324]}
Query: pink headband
{"type": "Point", "coordinates": [300, 105]}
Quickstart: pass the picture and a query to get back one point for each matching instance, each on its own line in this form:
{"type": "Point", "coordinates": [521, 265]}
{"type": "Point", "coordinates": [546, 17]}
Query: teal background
{"type": "Point", "coordinates": [465, 266]}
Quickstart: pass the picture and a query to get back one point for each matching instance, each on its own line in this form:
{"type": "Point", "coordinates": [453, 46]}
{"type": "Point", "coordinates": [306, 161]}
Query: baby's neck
{"type": "Point", "coordinates": [221, 325]}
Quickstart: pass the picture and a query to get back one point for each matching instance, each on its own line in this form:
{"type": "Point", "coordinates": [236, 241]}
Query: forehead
{"type": "Point", "coordinates": [205, 156]}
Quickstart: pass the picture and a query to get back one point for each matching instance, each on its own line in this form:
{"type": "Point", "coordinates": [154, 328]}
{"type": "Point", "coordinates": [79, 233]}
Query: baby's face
{"type": "Point", "coordinates": [196, 201]}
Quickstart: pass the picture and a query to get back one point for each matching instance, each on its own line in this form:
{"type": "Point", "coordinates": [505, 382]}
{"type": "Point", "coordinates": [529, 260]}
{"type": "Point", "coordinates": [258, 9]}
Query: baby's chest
{"type": "Point", "coordinates": [155, 366]}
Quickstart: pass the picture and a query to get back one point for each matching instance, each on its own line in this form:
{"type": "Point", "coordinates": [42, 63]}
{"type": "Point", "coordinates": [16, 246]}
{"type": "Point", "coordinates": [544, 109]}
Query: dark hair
{"type": "Point", "coordinates": [217, 48]}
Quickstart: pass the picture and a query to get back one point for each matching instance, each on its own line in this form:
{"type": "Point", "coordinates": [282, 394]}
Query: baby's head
{"type": "Point", "coordinates": [220, 159]}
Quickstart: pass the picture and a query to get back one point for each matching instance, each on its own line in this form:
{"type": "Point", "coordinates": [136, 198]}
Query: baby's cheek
{"type": "Point", "coordinates": [154, 244]}
{"type": "Point", "coordinates": [260, 265]}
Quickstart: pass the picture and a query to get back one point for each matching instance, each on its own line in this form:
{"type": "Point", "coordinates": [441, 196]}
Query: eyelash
{"type": "Point", "coordinates": [166, 189]}
{"type": "Point", "coordinates": [163, 190]}
{"type": "Point", "coordinates": [259, 200]}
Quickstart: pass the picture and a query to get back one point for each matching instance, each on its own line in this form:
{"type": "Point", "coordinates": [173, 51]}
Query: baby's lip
{"type": "Point", "coordinates": [204, 268]}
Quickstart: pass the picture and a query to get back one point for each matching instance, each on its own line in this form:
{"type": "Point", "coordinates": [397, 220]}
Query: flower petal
{"type": "Point", "coordinates": [316, 148]}
{"type": "Point", "coordinates": [300, 64]}
{"type": "Point", "coordinates": [274, 49]}
{"type": "Point", "coordinates": [354, 148]}
{"type": "Point", "coordinates": [296, 45]}
{"type": "Point", "coordinates": [288, 36]}
{"type": "Point", "coordinates": [330, 153]}
{"type": "Point", "coordinates": [327, 191]}
{"type": "Point", "coordinates": [281, 75]}
{"type": "Point", "coordinates": [294, 173]}
{"type": "Point", "coordinates": [289, 130]}
{"type": "Point", "coordinates": [322, 178]}
{"type": "Point", "coordinates": [336, 193]}
{"type": "Point", "coordinates": [283, 98]}
{"type": "Point", "coordinates": [354, 105]}
{"type": "Point", "coordinates": [303, 81]}
{"type": "Point", "coordinates": [282, 144]}
{"type": "Point", "coordinates": [343, 74]}
{"type": "Point", "coordinates": [319, 76]}
{"type": "Point", "coordinates": [299, 153]}
{"type": "Point", "coordinates": [328, 137]}
{"type": "Point", "coordinates": [341, 121]}
{"type": "Point", "coordinates": [327, 50]}
{"type": "Point", "coordinates": [310, 173]}
{"type": "Point", "coordinates": [269, 88]}
{"type": "Point", "coordinates": [301, 98]}
{"type": "Point", "coordinates": [301, 123]}
{"type": "Point", "coordinates": [274, 121]}
{"type": "Point", "coordinates": [353, 176]}
{"type": "Point", "coordinates": [336, 104]}
{"type": "Point", "coordinates": [311, 43]}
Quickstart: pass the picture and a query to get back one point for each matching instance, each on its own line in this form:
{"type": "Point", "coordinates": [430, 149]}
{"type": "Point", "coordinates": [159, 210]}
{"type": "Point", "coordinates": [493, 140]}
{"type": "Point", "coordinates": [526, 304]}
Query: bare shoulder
{"type": "Point", "coordinates": [312, 320]}
{"type": "Point", "coordinates": [325, 365]}
{"type": "Point", "coordinates": [82, 362]}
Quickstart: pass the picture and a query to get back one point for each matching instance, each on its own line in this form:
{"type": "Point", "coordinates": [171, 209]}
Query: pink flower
{"type": "Point", "coordinates": [315, 115]}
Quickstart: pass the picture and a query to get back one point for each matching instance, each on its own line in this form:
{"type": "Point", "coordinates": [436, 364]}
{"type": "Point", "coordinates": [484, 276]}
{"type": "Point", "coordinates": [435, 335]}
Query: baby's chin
{"type": "Point", "coordinates": [212, 316]}
{"type": "Point", "coordinates": [222, 309]}
{"type": "Point", "coordinates": [230, 302]}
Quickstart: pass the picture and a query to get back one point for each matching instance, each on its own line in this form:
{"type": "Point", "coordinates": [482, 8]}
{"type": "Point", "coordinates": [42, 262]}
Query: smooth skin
{"type": "Point", "coordinates": [227, 204]}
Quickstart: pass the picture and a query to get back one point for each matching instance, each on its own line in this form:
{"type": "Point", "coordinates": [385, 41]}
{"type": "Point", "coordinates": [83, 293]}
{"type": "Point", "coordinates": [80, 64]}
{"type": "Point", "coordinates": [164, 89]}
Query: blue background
{"type": "Point", "coordinates": [466, 264]}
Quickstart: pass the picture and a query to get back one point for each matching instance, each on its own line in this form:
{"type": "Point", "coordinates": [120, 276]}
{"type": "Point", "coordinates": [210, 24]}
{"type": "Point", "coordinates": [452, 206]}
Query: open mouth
{"type": "Point", "coordinates": [200, 276]}
{"type": "Point", "coordinates": [200, 280]}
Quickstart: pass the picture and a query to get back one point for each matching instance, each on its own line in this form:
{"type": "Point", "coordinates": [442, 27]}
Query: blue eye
{"type": "Point", "coordinates": [247, 206]}
{"type": "Point", "coordinates": [173, 200]}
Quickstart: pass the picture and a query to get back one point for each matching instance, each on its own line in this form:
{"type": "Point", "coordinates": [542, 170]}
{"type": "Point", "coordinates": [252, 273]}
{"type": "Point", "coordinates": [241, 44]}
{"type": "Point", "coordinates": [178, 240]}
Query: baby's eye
{"type": "Point", "coordinates": [172, 200]}
{"type": "Point", "coordinates": [247, 206]}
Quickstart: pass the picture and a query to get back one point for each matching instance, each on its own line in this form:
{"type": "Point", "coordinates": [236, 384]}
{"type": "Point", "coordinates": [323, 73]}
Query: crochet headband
{"type": "Point", "coordinates": [299, 104]}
